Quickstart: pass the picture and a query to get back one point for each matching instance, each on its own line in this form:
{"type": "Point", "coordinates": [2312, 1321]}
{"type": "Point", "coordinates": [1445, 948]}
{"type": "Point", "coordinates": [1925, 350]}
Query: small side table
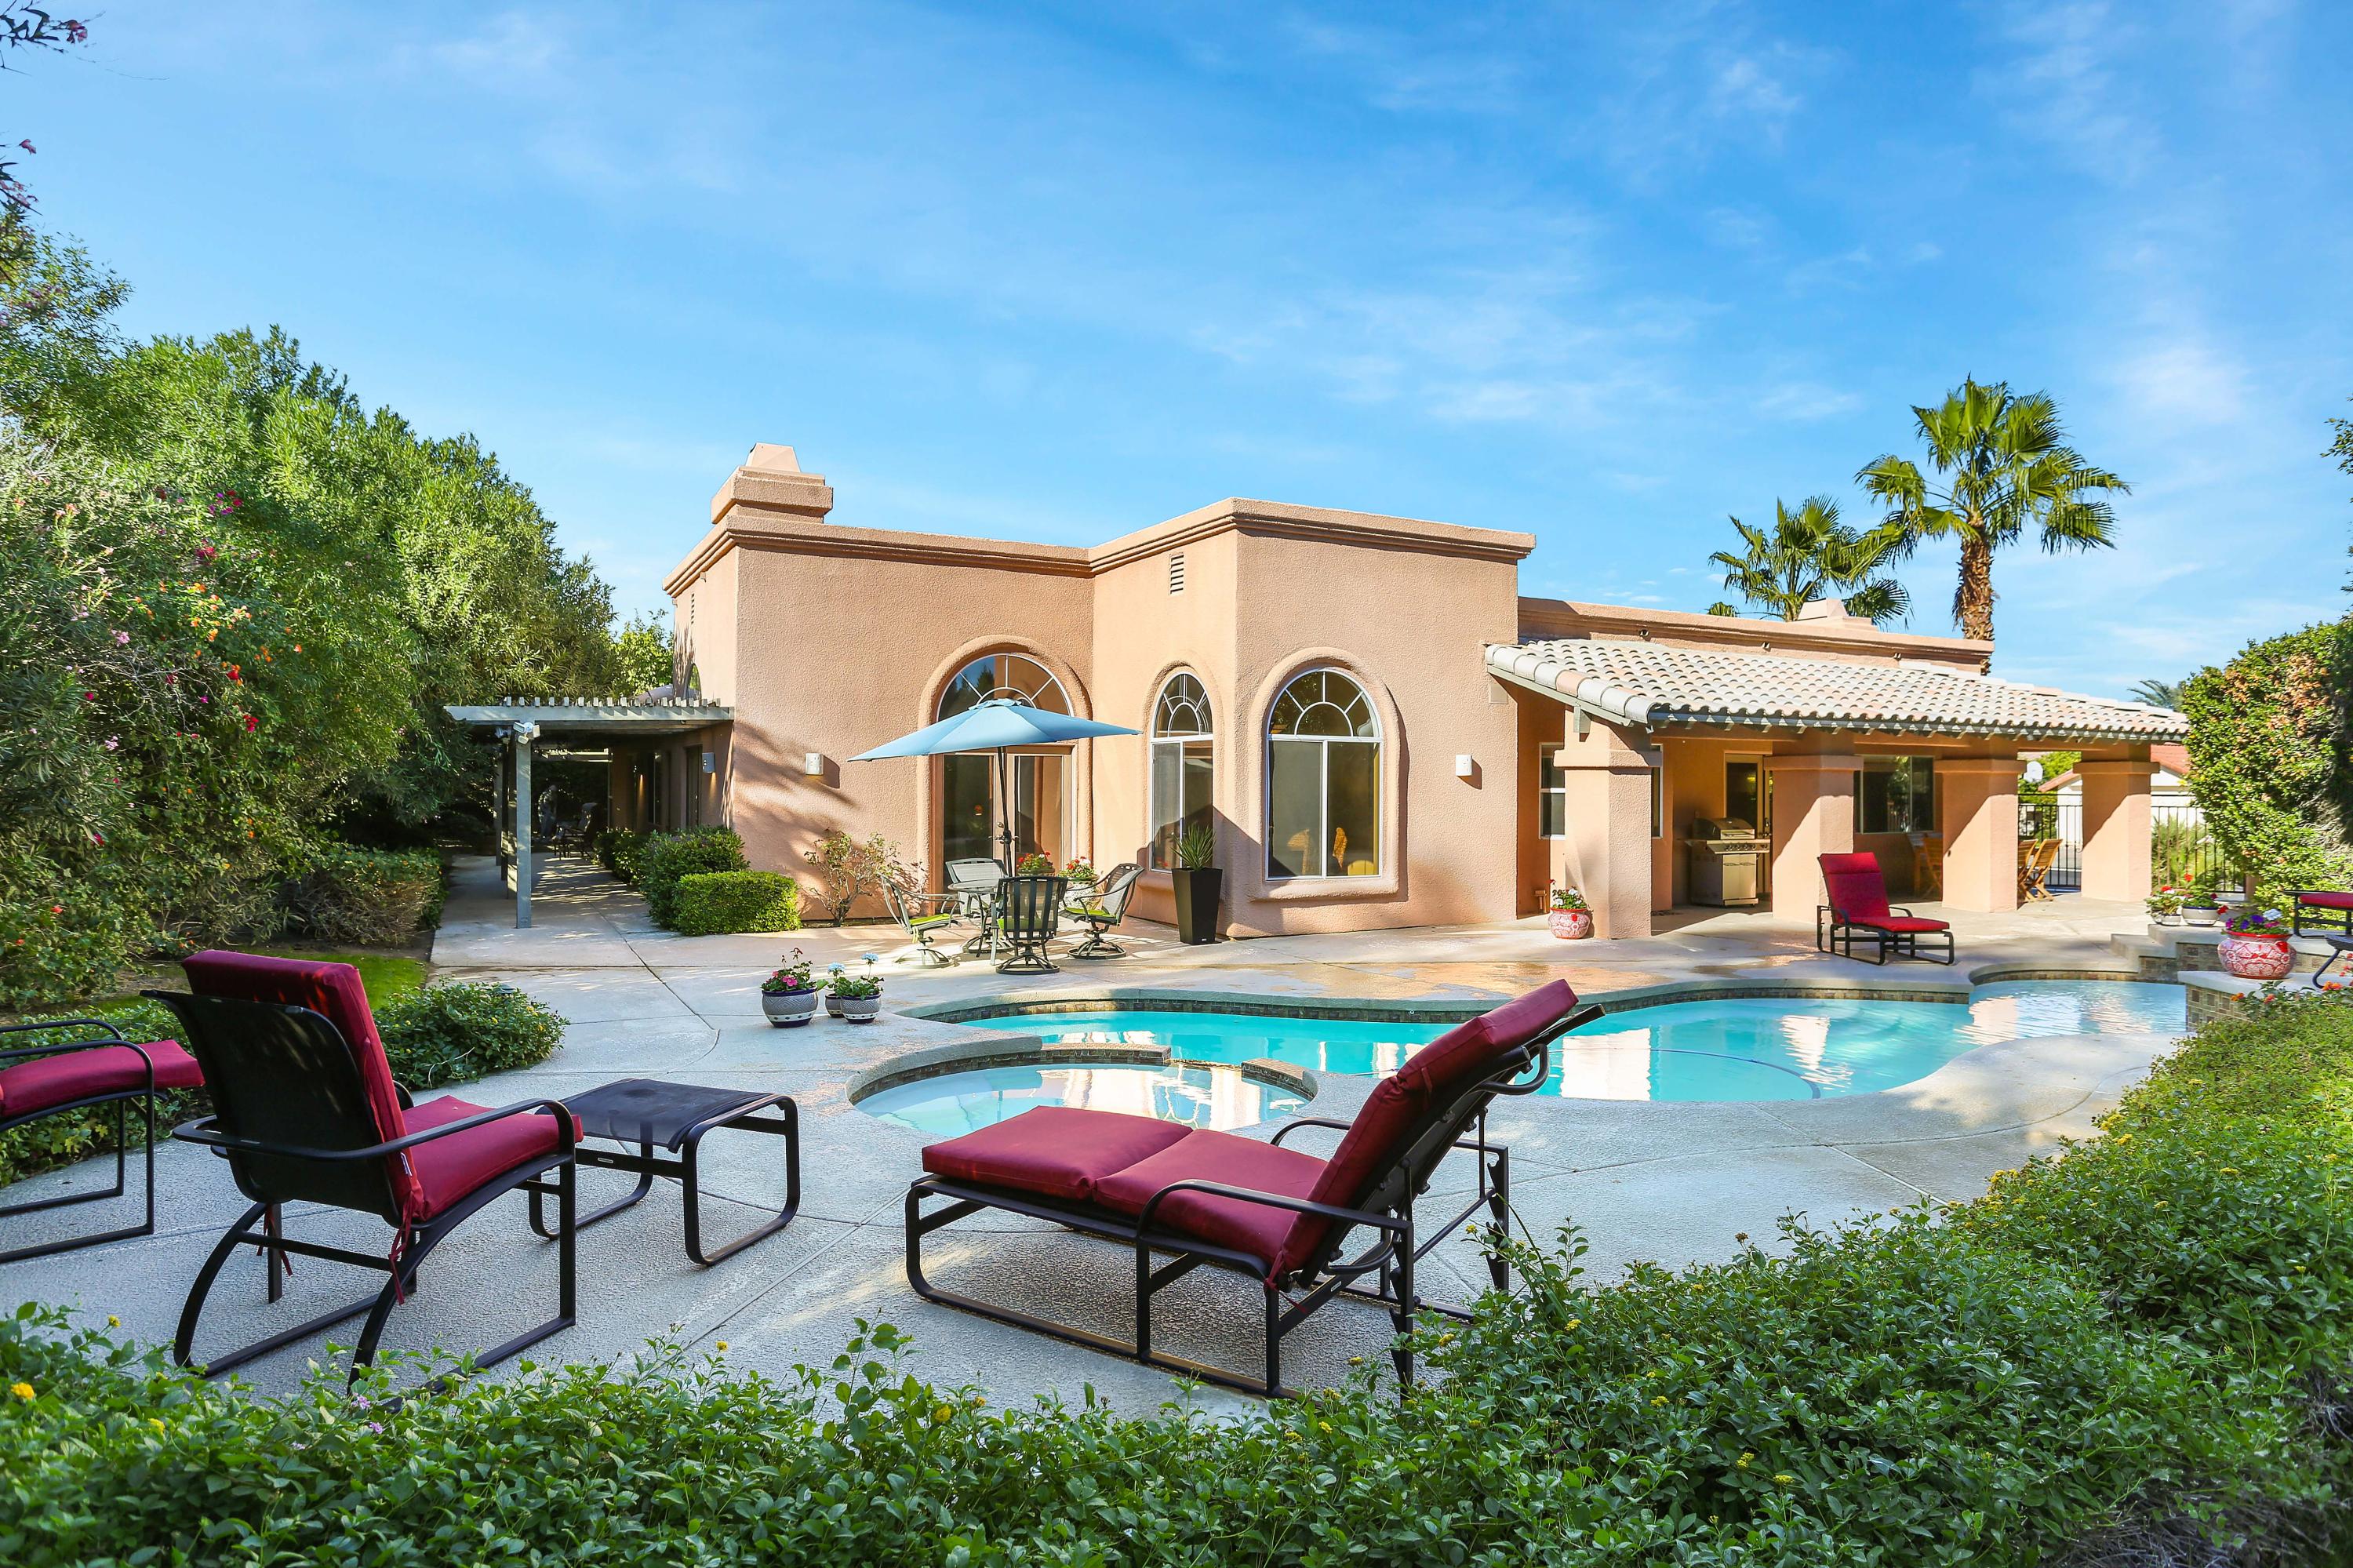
{"type": "Point", "coordinates": [647, 1112]}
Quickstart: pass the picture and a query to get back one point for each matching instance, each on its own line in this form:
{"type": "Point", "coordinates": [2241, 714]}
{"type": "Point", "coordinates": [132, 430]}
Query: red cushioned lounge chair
{"type": "Point", "coordinates": [306, 1111]}
{"type": "Point", "coordinates": [1277, 1215]}
{"type": "Point", "coordinates": [2325, 908]}
{"type": "Point", "coordinates": [1857, 909]}
{"type": "Point", "coordinates": [90, 1066]}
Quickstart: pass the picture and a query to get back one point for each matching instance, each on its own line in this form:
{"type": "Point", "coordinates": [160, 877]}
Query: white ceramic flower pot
{"type": "Point", "coordinates": [788, 1009]}
{"type": "Point", "coordinates": [2203, 914]}
{"type": "Point", "coordinates": [858, 1009]}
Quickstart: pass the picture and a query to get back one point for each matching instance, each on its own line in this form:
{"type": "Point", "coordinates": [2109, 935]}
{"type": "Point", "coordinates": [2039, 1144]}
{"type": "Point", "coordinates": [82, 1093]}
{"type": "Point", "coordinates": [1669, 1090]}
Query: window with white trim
{"type": "Point", "coordinates": [1323, 779]}
{"type": "Point", "coordinates": [1183, 771]}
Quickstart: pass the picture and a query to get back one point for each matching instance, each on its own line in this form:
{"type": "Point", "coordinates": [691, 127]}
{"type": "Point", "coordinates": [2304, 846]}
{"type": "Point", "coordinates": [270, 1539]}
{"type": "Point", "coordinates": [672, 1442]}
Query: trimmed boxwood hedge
{"type": "Point", "coordinates": [667, 857]}
{"type": "Point", "coordinates": [2134, 1353]}
{"type": "Point", "coordinates": [712, 903]}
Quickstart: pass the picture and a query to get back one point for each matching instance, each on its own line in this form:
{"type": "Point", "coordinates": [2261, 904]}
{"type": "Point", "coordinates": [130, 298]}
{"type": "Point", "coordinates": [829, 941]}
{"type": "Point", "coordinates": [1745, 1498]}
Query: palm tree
{"type": "Point", "coordinates": [1809, 555]}
{"type": "Point", "coordinates": [2158, 693]}
{"type": "Point", "coordinates": [2001, 462]}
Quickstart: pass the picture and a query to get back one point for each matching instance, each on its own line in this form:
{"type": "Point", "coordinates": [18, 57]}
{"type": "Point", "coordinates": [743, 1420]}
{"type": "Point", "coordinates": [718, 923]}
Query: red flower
{"type": "Point", "coordinates": [89, 696]}
{"type": "Point", "coordinates": [251, 723]}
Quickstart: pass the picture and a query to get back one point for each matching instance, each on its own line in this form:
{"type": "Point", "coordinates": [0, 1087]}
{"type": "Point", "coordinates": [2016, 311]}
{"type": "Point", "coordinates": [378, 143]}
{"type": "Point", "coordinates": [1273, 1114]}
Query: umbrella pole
{"type": "Point", "coordinates": [1005, 805]}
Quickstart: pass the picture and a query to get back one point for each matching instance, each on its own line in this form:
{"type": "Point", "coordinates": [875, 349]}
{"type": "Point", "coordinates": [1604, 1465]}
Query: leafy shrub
{"type": "Point", "coordinates": [377, 897]}
{"type": "Point", "coordinates": [848, 869]}
{"type": "Point", "coordinates": [711, 903]}
{"type": "Point", "coordinates": [2268, 733]}
{"type": "Point", "coordinates": [449, 1033]}
{"type": "Point", "coordinates": [2064, 1372]}
{"type": "Point", "coordinates": [616, 850]}
{"type": "Point", "coordinates": [669, 856]}
{"type": "Point", "coordinates": [61, 936]}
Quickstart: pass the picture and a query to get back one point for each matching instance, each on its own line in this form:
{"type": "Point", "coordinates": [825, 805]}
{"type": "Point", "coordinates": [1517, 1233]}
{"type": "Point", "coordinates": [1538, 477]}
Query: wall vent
{"type": "Point", "coordinates": [1176, 572]}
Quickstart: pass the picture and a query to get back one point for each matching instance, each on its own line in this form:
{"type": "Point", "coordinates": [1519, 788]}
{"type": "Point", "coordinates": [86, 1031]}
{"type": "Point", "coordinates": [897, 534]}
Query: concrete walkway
{"type": "Point", "coordinates": [1666, 1181]}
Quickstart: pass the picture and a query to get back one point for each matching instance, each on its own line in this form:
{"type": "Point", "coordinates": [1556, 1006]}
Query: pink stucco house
{"type": "Point", "coordinates": [1379, 727]}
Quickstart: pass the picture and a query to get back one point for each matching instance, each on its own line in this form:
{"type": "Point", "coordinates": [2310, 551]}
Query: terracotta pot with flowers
{"type": "Point", "coordinates": [2255, 944]}
{"type": "Point", "coordinates": [789, 996]}
{"type": "Point", "coordinates": [1570, 916]}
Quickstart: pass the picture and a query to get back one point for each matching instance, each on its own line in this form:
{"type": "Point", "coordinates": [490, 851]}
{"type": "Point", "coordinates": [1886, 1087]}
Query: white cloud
{"type": "Point", "coordinates": [2185, 382]}
{"type": "Point", "coordinates": [1807, 401]}
{"type": "Point", "coordinates": [2065, 85]}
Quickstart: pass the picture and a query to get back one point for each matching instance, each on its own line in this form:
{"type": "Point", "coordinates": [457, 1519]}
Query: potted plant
{"type": "Point", "coordinates": [2200, 905]}
{"type": "Point", "coordinates": [1570, 916]}
{"type": "Point", "coordinates": [1034, 864]}
{"type": "Point", "coordinates": [1196, 885]}
{"type": "Point", "coordinates": [789, 996]}
{"type": "Point", "coordinates": [1081, 874]}
{"type": "Point", "coordinates": [2255, 944]}
{"type": "Point", "coordinates": [856, 998]}
{"type": "Point", "coordinates": [2164, 906]}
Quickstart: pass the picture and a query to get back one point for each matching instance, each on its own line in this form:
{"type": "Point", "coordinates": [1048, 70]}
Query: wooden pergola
{"type": "Point", "coordinates": [518, 723]}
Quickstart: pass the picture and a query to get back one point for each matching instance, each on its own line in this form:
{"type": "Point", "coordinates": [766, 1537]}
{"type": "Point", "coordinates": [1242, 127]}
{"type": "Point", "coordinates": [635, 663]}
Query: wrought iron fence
{"type": "Point", "coordinates": [2181, 849]}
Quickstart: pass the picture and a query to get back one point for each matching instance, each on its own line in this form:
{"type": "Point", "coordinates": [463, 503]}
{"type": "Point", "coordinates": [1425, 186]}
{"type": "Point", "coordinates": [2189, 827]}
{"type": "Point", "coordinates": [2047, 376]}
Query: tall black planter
{"type": "Point", "coordinates": [1197, 888]}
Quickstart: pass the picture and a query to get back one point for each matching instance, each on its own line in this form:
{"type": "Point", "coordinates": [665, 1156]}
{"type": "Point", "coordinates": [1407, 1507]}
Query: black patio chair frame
{"type": "Point", "coordinates": [302, 1046]}
{"type": "Point", "coordinates": [1326, 1274]}
{"type": "Point", "coordinates": [1837, 937]}
{"type": "Point", "coordinates": [1028, 914]}
{"type": "Point", "coordinates": [1105, 910]}
{"type": "Point", "coordinates": [120, 1099]}
{"type": "Point", "coordinates": [908, 908]}
{"type": "Point", "coordinates": [2320, 915]}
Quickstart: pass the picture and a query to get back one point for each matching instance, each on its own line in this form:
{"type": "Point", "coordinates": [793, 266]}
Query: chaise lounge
{"type": "Point", "coordinates": [1856, 909]}
{"type": "Point", "coordinates": [1277, 1215]}
{"type": "Point", "coordinates": [91, 1069]}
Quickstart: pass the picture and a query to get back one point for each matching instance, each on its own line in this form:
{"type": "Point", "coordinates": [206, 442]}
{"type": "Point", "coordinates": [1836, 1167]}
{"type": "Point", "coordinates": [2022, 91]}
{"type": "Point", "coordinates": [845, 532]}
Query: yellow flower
{"type": "Point", "coordinates": [1785, 1479]}
{"type": "Point", "coordinates": [112, 1321]}
{"type": "Point", "coordinates": [157, 1422]}
{"type": "Point", "coordinates": [21, 1390]}
{"type": "Point", "coordinates": [943, 1414]}
{"type": "Point", "coordinates": [1660, 1399]}
{"type": "Point", "coordinates": [721, 1344]}
{"type": "Point", "coordinates": [2120, 1137]}
{"type": "Point", "coordinates": [1743, 1460]}
{"type": "Point", "coordinates": [1572, 1323]}
{"type": "Point", "coordinates": [2230, 1171]}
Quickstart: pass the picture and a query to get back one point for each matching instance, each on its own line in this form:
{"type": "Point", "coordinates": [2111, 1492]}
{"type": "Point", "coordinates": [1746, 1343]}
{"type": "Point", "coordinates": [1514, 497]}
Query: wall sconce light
{"type": "Point", "coordinates": [1465, 765]}
{"type": "Point", "coordinates": [813, 765]}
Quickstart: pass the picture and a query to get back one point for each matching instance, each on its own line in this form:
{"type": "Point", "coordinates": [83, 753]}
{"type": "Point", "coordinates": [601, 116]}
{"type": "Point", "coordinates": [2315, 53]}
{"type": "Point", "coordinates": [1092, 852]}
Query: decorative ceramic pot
{"type": "Point", "coordinates": [833, 1004]}
{"type": "Point", "coordinates": [858, 1009]}
{"type": "Point", "coordinates": [2202, 913]}
{"type": "Point", "coordinates": [2172, 918]}
{"type": "Point", "coordinates": [2256, 955]}
{"type": "Point", "coordinates": [1571, 924]}
{"type": "Point", "coordinates": [788, 1009]}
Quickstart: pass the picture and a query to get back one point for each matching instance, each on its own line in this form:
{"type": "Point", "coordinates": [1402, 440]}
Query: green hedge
{"type": "Point", "coordinates": [712, 903]}
{"type": "Point", "coordinates": [2135, 1353]}
{"type": "Point", "coordinates": [377, 897]}
{"type": "Point", "coordinates": [667, 857]}
{"type": "Point", "coordinates": [616, 850]}
{"type": "Point", "coordinates": [449, 1033]}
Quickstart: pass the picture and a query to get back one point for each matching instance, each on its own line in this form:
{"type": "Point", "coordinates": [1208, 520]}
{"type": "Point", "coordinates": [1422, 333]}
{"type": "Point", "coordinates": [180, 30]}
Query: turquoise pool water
{"type": "Point", "coordinates": [1199, 1096]}
{"type": "Point", "coordinates": [1745, 1048]}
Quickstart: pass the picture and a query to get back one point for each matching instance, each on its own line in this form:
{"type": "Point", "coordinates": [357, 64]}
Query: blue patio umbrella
{"type": "Point", "coordinates": [994, 723]}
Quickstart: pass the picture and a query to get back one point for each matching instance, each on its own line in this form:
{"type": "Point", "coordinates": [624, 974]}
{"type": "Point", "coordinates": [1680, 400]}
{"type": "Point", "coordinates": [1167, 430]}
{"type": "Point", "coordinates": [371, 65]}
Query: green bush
{"type": "Point", "coordinates": [449, 1033]}
{"type": "Point", "coordinates": [377, 897]}
{"type": "Point", "coordinates": [616, 850]}
{"type": "Point", "coordinates": [666, 857]}
{"type": "Point", "coordinates": [712, 903]}
{"type": "Point", "coordinates": [2073, 1369]}
{"type": "Point", "coordinates": [2268, 738]}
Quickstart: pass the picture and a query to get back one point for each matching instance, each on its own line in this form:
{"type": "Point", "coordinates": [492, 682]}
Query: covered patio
{"type": "Point", "coordinates": [664, 758]}
{"type": "Point", "coordinates": [1638, 743]}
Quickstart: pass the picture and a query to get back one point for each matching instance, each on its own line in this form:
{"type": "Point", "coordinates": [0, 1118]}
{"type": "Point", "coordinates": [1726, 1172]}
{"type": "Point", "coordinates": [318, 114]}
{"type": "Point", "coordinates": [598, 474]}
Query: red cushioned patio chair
{"type": "Point", "coordinates": [91, 1067]}
{"type": "Point", "coordinates": [306, 1111]}
{"type": "Point", "coordinates": [2323, 907]}
{"type": "Point", "coordinates": [1277, 1215]}
{"type": "Point", "coordinates": [1858, 909]}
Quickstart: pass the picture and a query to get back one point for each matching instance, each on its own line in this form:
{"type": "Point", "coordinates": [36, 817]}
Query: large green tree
{"type": "Point", "coordinates": [1809, 555]}
{"type": "Point", "coordinates": [2001, 467]}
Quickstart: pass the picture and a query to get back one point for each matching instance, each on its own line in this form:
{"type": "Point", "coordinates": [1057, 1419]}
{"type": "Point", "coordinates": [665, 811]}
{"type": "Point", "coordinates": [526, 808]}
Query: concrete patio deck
{"type": "Point", "coordinates": [1665, 1182]}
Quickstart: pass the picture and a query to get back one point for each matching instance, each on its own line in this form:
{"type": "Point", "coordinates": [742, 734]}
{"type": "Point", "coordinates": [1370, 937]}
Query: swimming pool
{"type": "Point", "coordinates": [1199, 1095]}
{"type": "Point", "coordinates": [1729, 1048]}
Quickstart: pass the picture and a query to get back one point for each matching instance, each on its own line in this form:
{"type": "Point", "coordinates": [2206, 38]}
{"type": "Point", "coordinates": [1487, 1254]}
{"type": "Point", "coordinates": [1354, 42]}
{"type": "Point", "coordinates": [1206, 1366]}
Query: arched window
{"type": "Point", "coordinates": [1323, 779]}
{"type": "Point", "coordinates": [1181, 767]}
{"type": "Point", "coordinates": [1040, 812]}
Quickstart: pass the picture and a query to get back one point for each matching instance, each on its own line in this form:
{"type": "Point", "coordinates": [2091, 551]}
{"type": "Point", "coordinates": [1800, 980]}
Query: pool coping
{"type": "Point", "coordinates": [1031, 1050]}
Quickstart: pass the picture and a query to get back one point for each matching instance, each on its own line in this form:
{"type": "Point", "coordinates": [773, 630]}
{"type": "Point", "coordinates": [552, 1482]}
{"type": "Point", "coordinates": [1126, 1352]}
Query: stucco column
{"type": "Point", "coordinates": [1813, 815]}
{"type": "Point", "coordinates": [1605, 851]}
{"type": "Point", "coordinates": [2116, 828]}
{"type": "Point", "coordinates": [1979, 807]}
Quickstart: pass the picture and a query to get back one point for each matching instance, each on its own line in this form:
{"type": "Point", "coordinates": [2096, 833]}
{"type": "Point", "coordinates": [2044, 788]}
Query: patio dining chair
{"type": "Point", "coordinates": [1857, 910]}
{"type": "Point", "coordinates": [921, 915]}
{"type": "Point", "coordinates": [1102, 907]}
{"type": "Point", "coordinates": [306, 1111]}
{"type": "Point", "coordinates": [973, 883]}
{"type": "Point", "coordinates": [1281, 1216]}
{"type": "Point", "coordinates": [2035, 860]}
{"type": "Point", "coordinates": [1027, 912]}
{"type": "Point", "coordinates": [90, 1069]}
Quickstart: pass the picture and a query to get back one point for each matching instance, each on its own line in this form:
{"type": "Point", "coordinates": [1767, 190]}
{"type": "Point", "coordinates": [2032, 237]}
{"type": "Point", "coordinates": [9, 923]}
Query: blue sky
{"type": "Point", "coordinates": [1604, 273]}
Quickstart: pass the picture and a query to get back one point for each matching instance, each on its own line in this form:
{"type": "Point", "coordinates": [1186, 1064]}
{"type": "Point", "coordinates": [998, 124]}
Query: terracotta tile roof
{"type": "Point", "coordinates": [1648, 683]}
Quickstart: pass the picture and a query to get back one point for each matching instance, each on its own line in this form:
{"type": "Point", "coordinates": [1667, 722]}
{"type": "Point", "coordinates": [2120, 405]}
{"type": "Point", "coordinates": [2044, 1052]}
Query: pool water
{"type": "Point", "coordinates": [1199, 1095]}
{"type": "Point", "coordinates": [1735, 1048]}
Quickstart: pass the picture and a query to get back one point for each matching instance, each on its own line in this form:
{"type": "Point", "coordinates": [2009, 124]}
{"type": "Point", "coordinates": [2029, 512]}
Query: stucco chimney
{"type": "Point", "coordinates": [1827, 609]}
{"type": "Point", "coordinates": [770, 481]}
